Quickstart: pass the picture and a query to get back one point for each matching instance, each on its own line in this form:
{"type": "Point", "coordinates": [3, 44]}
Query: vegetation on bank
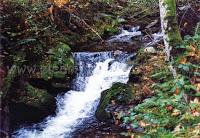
{"type": "Point", "coordinates": [174, 108]}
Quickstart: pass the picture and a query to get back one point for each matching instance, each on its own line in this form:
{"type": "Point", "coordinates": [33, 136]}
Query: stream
{"type": "Point", "coordinates": [97, 71]}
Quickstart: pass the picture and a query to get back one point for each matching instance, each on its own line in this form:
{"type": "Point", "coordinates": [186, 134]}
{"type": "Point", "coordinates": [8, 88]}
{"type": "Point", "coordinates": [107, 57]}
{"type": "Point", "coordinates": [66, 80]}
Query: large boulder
{"type": "Point", "coordinates": [31, 105]}
{"type": "Point", "coordinates": [118, 94]}
{"type": "Point", "coordinates": [56, 71]}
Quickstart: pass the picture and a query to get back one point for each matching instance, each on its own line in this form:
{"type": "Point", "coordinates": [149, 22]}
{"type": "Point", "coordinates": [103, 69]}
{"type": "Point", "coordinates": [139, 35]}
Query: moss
{"type": "Point", "coordinates": [171, 7]}
{"type": "Point", "coordinates": [174, 37]}
{"type": "Point", "coordinates": [59, 75]}
{"type": "Point", "coordinates": [36, 97]}
{"type": "Point", "coordinates": [172, 29]}
{"type": "Point", "coordinates": [58, 63]}
{"type": "Point", "coordinates": [142, 57]}
{"type": "Point", "coordinates": [120, 93]}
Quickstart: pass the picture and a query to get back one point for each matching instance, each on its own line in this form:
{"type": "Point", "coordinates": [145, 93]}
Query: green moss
{"type": "Point", "coordinates": [174, 37]}
{"type": "Point", "coordinates": [59, 75]}
{"type": "Point", "coordinates": [142, 56]}
{"type": "Point", "coordinates": [59, 62]}
{"type": "Point", "coordinates": [172, 29]}
{"type": "Point", "coordinates": [120, 93]}
{"type": "Point", "coordinates": [36, 97]}
{"type": "Point", "coordinates": [171, 7]}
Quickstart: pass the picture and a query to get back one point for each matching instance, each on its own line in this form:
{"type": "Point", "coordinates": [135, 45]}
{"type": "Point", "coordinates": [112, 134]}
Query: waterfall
{"type": "Point", "coordinates": [97, 72]}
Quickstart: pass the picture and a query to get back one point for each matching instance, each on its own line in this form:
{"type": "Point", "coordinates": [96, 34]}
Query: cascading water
{"type": "Point", "coordinates": [97, 72]}
{"type": "Point", "coordinates": [126, 35]}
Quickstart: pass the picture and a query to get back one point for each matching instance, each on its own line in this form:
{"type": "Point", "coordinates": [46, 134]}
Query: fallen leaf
{"type": "Point", "coordinates": [195, 113]}
{"type": "Point", "coordinates": [169, 108]}
{"type": "Point", "coordinates": [177, 91]}
{"type": "Point", "coordinates": [177, 128]}
{"type": "Point", "coordinates": [176, 112]}
{"type": "Point", "coordinates": [146, 90]}
{"type": "Point", "coordinates": [143, 124]}
{"type": "Point", "coordinates": [183, 60]}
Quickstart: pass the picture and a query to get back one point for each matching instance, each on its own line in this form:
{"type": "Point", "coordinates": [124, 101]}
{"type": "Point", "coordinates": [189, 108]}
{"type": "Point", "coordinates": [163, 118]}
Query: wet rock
{"type": "Point", "coordinates": [150, 50]}
{"type": "Point", "coordinates": [36, 97]}
{"type": "Point", "coordinates": [116, 53]}
{"type": "Point", "coordinates": [146, 39]}
{"type": "Point", "coordinates": [135, 77]}
{"type": "Point", "coordinates": [31, 106]}
{"type": "Point", "coordinates": [3, 41]}
{"type": "Point", "coordinates": [56, 71]}
{"type": "Point", "coordinates": [118, 94]}
{"type": "Point", "coordinates": [127, 27]}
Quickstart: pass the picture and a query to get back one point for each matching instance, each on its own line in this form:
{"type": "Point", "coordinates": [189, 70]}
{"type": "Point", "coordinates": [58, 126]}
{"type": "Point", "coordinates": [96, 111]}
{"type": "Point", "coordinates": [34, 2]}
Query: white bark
{"type": "Point", "coordinates": [169, 25]}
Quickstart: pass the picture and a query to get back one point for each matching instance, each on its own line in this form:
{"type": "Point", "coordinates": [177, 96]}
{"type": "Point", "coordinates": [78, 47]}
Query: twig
{"type": "Point", "coordinates": [92, 29]}
{"type": "Point", "coordinates": [153, 39]}
{"type": "Point", "coordinates": [82, 20]}
{"type": "Point", "coordinates": [183, 17]}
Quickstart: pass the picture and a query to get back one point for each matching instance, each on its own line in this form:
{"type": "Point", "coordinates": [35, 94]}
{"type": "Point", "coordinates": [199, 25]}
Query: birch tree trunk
{"type": "Point", "coordinates": [169, 26]}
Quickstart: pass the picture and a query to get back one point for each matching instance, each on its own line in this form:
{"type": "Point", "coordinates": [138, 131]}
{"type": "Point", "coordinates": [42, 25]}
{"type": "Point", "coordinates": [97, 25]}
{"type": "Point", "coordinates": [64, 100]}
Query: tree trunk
{"type": "Point", "coordinates": [169, 26]}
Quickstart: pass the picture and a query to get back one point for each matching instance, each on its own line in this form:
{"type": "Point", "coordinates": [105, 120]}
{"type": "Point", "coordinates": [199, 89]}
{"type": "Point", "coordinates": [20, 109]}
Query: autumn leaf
{"type": "Point", "coordinates": [183, 60]}
{"type": "Point", "coordinates": [176, 112]}
{"type": "Point", "coordinates": [177, 91]}
{"type": "Point", "coordinates": [195, 113]}
{"type": "Point", "coordinates": [169, 108]}
{"type": "Point", "coordinates": [146, 90]}
{"type": "Point", "coordinates": [143, 124]}
{"type": "Point", "coordinates": [198, 87]}
{"type": "Point", "coordinates": [60, 3]}
{"type": "Point", "coordinates": [192, 51]}
{"type": "Point", "coordinates": [195, 101]}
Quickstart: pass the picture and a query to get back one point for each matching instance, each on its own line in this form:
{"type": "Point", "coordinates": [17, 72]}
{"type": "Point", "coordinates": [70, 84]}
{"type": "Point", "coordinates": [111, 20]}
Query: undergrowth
{"type": "Point", "coordinates": [174, 110]}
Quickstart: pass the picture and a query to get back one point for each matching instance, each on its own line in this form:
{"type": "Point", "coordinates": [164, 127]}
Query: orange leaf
{"type": "Point", "coordinates": [183, 60]}
{"type": "Point", "coordinates": [143, 124]}
{"type": "Point", "coordinates": [193, 50]}
{"type": "Point", "coordinates": [198, 87]}
{"type": "Point", "coordinates": [169, 108]}
{"type": "Point", "coordinates": [146, 90]}
{"type": "Point", "coordinates": [61, 3]}
{"type": "Point", "coordinates": [177, 91]}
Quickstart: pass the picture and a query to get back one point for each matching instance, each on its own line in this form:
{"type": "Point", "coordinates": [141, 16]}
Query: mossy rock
{"type": "Point", "coordinates": [135, 76]}
{"type": "Point", "coordinates": [58, 64]}
{"type": "Point", "coordinates": [36, 97]}
{"type": "Point", "coordinates": [120, 93]}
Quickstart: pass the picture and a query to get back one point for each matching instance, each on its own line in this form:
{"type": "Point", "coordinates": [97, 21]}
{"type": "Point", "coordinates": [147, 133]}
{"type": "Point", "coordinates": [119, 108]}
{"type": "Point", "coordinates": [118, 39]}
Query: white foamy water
{"type": "Point", "coordinates": [126, 35]}
{"type": "Point", "coordinates": [75, 106]}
